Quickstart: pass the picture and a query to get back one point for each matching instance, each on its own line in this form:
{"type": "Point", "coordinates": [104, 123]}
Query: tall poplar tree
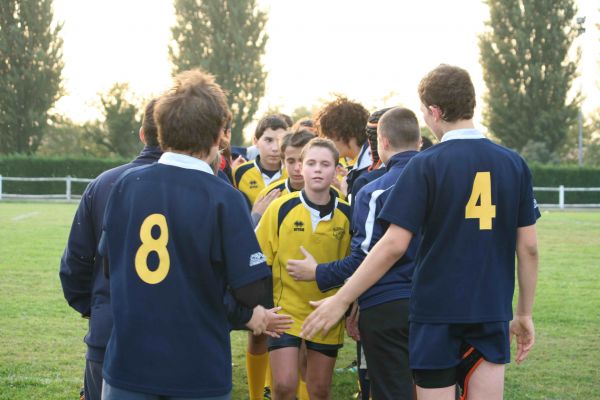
{"type": "Point", "coordinates": [30, 72]}
{"type": "Point", "coordinates": [226, 38]}
{"type": "Point", "coordinates": [524, 55]}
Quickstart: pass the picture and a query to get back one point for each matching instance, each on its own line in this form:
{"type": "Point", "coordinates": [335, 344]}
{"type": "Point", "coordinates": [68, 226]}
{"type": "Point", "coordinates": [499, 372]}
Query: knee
{"type": "Point", "coordinates": [318, 390]}
{"type": "Point", "coordinates": [285, 389]}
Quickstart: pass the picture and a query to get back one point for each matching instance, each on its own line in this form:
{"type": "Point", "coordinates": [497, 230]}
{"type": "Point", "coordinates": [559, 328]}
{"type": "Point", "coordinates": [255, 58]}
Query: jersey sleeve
{"type": "Point", "coordinates": [528, 208]}
{"type": "Point", "coordinates": [77, 262]}
{"type": "Point", "coordinates": [267, 233]}
{"type": "Point", "coordinates": [408, 211]}
{"type": "Point", "coordinates": [243, 260]}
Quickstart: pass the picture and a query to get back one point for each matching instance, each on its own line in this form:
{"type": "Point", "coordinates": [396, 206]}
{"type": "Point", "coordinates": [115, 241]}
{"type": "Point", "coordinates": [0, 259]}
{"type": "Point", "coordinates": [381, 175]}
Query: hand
{"type": "Point", "coordinates": [277, 323]}
{"type": "Point", "coordinates": [237, 162]}
{"type": "Point", "coordinates": [522, 327]}
{"type": "Point", "coordinates": [352, 323]}
{"type": "Point", "coordinates": [258, 321]}
{"type": "Point", "coordinates": [344, 185]}
{"type": "Point", "coordinates": [328, 312]}
{"type": "Point", "coordinates": [261, 204]}
{"type": "Point", "coordinates": [303, 270]}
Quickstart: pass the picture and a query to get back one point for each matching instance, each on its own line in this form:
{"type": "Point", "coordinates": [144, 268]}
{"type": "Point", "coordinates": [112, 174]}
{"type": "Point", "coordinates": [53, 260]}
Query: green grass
{"type": "Point", "coordinates": [42, 353]}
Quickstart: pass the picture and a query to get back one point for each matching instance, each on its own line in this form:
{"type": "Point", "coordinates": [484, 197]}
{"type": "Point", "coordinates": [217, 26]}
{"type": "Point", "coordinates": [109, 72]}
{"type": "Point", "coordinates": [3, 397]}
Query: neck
{"type": "Point", "coordinates": [452, 126]}
{"type": "Point", "coordinates": [385, 157]}
{"type": "Point", "coordinates": [319, 198]}
{"type": "Point", "coordinates": [269, 167]}
{"type": "Point", "coordinates": [207, 158]}
{"type": "Point", "coordinates": [299, 186]}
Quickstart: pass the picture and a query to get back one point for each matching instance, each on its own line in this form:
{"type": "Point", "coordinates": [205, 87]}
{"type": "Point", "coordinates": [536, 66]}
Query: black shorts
{"type": "Point", "coordinates": [286, 340]}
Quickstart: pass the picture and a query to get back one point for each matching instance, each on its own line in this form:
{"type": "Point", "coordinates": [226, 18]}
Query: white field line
{"type": "Point", "coordinates": [25, 216]}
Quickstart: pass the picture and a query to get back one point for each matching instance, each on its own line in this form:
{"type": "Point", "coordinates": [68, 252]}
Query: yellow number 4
{"type": "Point", "coordinates": [158, 245]}
{"type": "Point", "coordinates": [482, 191]}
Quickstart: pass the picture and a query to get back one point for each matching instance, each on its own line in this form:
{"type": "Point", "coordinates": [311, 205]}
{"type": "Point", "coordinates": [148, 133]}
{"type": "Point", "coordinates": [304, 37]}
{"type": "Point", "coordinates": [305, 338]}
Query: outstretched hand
{"type": "Point", "coordinates": [328, 312]}
{"type": "Point", "coordinates": [261, 204]}
{"type": "Point", "coordinates": [277, 323]}
{"type": "Point", "coordinates": [522, 327]}
{"type": "Point", "coordinates": [303, 270]}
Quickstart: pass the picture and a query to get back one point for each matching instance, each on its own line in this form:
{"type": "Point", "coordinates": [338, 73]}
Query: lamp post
{"type": "Point", "coordinates": [581, 31]}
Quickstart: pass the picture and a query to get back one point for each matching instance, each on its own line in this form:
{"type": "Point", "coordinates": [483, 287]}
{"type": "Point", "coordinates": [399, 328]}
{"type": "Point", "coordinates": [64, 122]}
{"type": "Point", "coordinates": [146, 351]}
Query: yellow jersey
{"type": "Point", "coordinates": [250, 179]}
{"type": "Point", "coordinates": [288, 223]}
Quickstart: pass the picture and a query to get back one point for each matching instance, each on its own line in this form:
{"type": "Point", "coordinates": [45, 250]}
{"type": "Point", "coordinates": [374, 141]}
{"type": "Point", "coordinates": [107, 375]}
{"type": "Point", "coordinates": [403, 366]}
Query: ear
{"type": "Point", "coordinates": [254, 140]}
{"type": "Point", "coordinates": [142, 135]}
{"type": "Point", "coordinates": [436, 112]}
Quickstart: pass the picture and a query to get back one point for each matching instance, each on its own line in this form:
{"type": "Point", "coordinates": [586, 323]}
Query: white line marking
{"type": "Point", "coordinates": [25, 216]}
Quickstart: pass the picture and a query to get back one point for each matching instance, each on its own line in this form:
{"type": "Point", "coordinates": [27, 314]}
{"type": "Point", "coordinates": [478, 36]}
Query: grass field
{"type": "Point", "coordinates": [42, 353]}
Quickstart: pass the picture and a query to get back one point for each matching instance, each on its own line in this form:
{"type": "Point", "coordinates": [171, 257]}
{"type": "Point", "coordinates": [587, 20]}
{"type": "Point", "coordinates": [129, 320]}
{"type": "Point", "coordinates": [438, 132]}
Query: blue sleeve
{"type": "Point", "coordinates": [238, 315]}
{"type": "Point", "coordinates": [239, 253]}
{"type": "Point", "coordinates": [528, 209]}
{"type": "Point", "coordinates": [405, 211]}
{"type": "Point", "coordinates": [77, 262]}
{"type": "Point", "coordinates": [334, 274]}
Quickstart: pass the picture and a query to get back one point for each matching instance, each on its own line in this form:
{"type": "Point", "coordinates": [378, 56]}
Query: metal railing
{"type": "Point", "coordinates": [69, 196]}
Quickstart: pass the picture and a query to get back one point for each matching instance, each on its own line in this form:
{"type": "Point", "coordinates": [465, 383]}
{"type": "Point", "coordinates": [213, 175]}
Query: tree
{"type": "Point", "coordinates": [30, 72]}
{"type": "Point", "coordinates": [227, 39]}
{"type": "Point", "coordinates": [524, 55]}
{"type": "Point", "coordinates": [119, 132]}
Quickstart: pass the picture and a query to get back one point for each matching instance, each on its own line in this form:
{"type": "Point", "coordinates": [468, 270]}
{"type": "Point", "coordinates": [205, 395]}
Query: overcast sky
{"type": "Point", "coordinates": [372, 51]}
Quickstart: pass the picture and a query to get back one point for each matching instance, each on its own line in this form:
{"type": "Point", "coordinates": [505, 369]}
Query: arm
{"type": "Point", "coordinates": [527, 270]}
{"type": "Point", "coordinates": [77, 262]}
{"type": "Point", "coordinates": [384, 254]}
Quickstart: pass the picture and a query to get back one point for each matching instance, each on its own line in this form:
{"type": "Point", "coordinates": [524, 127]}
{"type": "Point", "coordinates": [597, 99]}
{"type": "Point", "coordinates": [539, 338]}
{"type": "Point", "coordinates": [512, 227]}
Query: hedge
{"type": "Point", "coordinates": [86, 167]}
{"type": "Point", "coordinates": [568, 176]}
{"type": "Point", "coordinates": [28, 166]}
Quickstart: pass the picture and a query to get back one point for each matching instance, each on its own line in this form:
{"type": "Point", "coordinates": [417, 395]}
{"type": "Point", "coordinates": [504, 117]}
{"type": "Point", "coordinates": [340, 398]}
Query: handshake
{"type": "Point", "coordinates": [267, 321]}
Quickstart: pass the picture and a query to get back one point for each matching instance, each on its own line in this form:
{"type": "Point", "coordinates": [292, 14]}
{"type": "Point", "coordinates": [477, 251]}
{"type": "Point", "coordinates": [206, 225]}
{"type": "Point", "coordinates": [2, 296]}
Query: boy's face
{"type": "Point", "coordinates": [318, 169]}
{"type": "Point", "coordinates": [268, 148]}
{"type": "Point", "coordinates": [293, 165]}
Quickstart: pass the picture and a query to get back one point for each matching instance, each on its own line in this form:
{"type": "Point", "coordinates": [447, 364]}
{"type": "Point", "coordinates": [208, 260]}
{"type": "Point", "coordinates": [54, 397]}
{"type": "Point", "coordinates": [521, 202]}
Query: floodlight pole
{"type": "Point", "coordinates": [580, 22]}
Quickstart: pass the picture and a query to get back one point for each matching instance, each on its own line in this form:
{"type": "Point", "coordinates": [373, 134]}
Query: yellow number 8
{"type": "Point", "coordinates": [158, 245]}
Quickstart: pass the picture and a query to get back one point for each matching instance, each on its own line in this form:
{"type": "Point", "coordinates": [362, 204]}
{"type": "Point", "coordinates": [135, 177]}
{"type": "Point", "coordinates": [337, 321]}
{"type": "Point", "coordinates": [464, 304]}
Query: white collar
{"type": "Point", "coordinates": [470, 133]}
{"type": "Point", "coordinates": [315, 216]}
{"type": "Point", "coordinates": [363, 160]}
{"type": "Point", "coordinates": [185, 161]}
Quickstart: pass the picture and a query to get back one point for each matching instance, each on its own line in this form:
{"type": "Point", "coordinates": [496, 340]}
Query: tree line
{"type": "Point", "coordinates": [530, 104]}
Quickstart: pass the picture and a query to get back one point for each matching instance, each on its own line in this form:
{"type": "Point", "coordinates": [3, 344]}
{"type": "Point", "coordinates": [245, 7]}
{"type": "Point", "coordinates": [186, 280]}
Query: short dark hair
{"type": "Point", "coordinates": [371, 131]}
{"type": "Point", "coordinates": [272, 121]}
{"type": "Point", "coordinates": [450, 88]}
{"type": "Point", "coordinates": [343, 120]}
{"type": "Point", "coordinates": [148, 124]}
{"type": "Point", "coordinates": [321, 142]}
{"type": "Point", "coordinates": [296, 139]}
{"type": "Point", "coordinates": [400, 126]}
{"type": "Point", "coordinates": [191, 116]}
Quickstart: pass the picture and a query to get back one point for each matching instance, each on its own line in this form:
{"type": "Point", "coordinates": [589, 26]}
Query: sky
{"type": "Point", "coordinates": [374, 52]}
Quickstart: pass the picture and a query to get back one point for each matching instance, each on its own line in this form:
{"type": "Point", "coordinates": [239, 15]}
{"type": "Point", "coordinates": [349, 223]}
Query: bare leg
{"type": "Point", "coordinates": [284, 367]}
{"type": "Point", "coordinates": [319, 374]}
{"type": "Point", "coordinates": [447, 393]}
{"type": "Point", "coordinates": [487, 382]}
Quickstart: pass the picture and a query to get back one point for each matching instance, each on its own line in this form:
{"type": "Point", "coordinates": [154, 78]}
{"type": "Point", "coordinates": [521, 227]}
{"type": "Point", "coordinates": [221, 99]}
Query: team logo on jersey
{"type": "Point", "coordinates": [298, 226]}
{"type": "Point", "coordinates": [257, 258]}
{"type": "Point", "coordinates": [253, 184]}
{"type": "Point", "coordinates": [338, 233]}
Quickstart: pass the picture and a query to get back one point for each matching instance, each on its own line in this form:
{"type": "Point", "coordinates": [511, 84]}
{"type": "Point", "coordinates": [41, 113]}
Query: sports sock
{"type": "Point", "coordinates": [302, 393]}
{"type": "Point", "coordinates": [256, 368]}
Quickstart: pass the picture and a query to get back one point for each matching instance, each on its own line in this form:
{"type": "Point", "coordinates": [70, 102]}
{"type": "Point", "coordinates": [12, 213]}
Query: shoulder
{"type": "Point", "coordinates": [278, 184]}
{"type": "Point", "coordinates": [344, 207]}
{"type": "Point", "coordinates": [242, 169]}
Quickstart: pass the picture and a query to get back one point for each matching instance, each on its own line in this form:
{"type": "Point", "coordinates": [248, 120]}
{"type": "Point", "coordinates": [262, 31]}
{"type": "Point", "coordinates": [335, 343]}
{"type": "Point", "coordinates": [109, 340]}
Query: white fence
{"type": "Point", "coordinates": [69, 196]}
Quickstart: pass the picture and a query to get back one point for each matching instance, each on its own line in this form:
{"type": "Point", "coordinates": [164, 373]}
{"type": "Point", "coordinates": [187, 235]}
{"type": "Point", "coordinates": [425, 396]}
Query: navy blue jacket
{"type": "Point", "coordinates": [367, 230]}
{"type": "Point", "coordinates": [84, 285]}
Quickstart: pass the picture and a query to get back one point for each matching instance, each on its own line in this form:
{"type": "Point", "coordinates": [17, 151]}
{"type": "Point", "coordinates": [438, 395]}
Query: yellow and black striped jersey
{"type": "Point", "coordinates": [284, 186]}
{"type": "Point", "coordinates": [250, 179]}
{"type": "Point", "coordinates": [287, 224]}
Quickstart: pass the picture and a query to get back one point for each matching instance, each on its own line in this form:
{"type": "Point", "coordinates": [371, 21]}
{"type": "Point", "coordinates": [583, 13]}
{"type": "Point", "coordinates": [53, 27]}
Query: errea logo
{"type": "Point", "coordinates": [253, 184]}
{"type": "Point", "coordinates": [257, 258]}
{"type": "Point", "coordinates": [298, 226]}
